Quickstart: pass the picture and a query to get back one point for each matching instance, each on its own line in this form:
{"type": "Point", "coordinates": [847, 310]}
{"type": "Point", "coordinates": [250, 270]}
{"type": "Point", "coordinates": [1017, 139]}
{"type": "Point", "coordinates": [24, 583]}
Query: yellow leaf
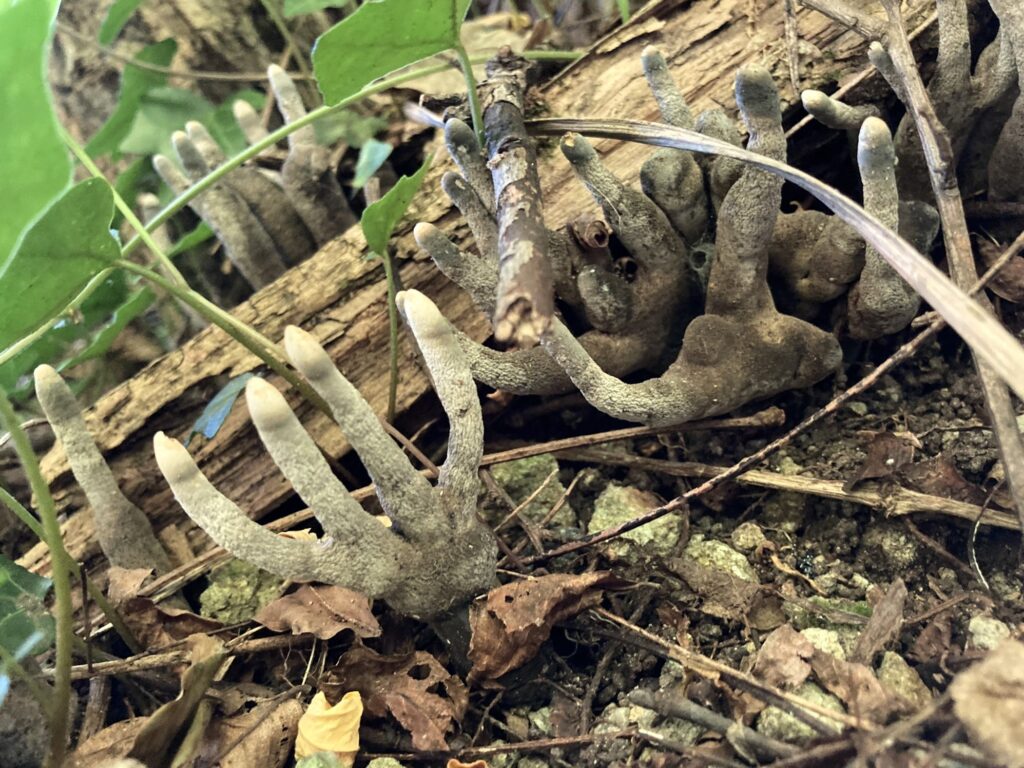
{"type": "Point", "coordinates": [324, 728]}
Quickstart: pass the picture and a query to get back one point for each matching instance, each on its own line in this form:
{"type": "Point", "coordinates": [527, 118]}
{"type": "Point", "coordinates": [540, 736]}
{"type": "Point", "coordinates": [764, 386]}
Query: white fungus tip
{"type": "Point", "coordinates": [173, 459]}
{"type": "Point", "coordinates": [267, 406]}
{"type": "Point", "coordinates": [306, 354]}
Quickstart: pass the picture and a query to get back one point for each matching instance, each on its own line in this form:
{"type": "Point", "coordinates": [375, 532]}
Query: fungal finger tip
{"type": "Point", "coordinates": [172, 458]}
{"type": "Point", "coordinates": [267, 406]}
{"type": "Point", "coordinates": [423, 232]}
{"type": "Point", "coordinates": [45, 374]}
{"type": "Point", "coordinates": [812, 99]}
{"type": "Point", "coordinates": [306, 353]}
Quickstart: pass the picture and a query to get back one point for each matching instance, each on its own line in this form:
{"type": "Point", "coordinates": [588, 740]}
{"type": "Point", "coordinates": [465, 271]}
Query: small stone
{"type": "Point", "coordinates": [532, 761]}
{"type": "Point", "coordinates": [522, 477]}
{"type": "Point", "coordinates": [899, 677]}
{"type": "Point", "coordinates": [789, 467]}
{"type": "Point", "coordinates": [826, 640]}
{"type": "Point", "coordinates": [784, 512]}
{"type": "Point", "coordinates": [237, 592]}
{"type": "Point", "coordinates": [720, 556]}
{"type": "Point", "coordinates": [779, 724]}
{"type": "Point", "coordinates": [747, 537]}
{"type": "Point", "coordinates": [619, 503]}
{"type": "Point", "coordinates": [858, 407]}
{"type": "Point", "coordinates": [986, 632]}
{"type": "Point", "coordinates": [540, 719]}
{"type": "Point", "coordinates": [384, 762]}
{"type": "Point", "coordinates": [890, 544]}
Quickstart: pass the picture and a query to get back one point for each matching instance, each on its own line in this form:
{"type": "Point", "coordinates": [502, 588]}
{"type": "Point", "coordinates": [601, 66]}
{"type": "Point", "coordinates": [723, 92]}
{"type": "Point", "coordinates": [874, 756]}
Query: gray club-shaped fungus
{"type": "Point", "coordinates": [266, 222]}
{"type": "Point", "coordinates": [740, 349]}
{"type": "Point", "coordinates": [437, 554]}
{"type": "Point", "coordinates": [123, 530]}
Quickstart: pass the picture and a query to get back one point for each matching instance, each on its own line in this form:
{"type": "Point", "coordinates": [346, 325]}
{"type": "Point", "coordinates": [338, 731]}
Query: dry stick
{"type": "Point", "coordinates": [500, 749]}
{"type": "Point", "coordinates": [896, 502]}
{"type": "Point", "coordinates": [903, 353]}
{"type": "Point", "coordinates": [525, 302]}
{"type": "Point", "coordinates": [849, 15]}
{"type": "Point", "coordinates": [941, 166]}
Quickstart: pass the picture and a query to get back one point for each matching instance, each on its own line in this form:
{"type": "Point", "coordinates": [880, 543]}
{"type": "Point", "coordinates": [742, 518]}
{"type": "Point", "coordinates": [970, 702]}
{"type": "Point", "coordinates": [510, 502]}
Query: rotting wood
{"type": "Point", "coordinates": [340, 298]}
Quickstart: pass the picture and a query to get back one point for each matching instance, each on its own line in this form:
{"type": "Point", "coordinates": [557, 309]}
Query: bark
{"type": "Point", "coordinates": [340, 298]}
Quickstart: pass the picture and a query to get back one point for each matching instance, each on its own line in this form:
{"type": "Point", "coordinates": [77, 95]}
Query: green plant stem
{"type": "Point", "coordinates": [266, 350]}
{"type": "Point", "coordinates": [471, 94]}
{"type": "Point", "coordinates": [624, 10]}
{"type": "Point", "coordinates": [8, 500]}
{"type": "Point", "coordinates": [126, 210]}
{"type": "Point", "coordinates": [389, 276]}
{"type": "Point", "coordinates": [63, 611]}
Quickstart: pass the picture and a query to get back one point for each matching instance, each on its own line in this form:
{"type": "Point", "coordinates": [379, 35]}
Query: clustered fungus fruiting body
{"type": "Point", "coordinates": [265, 223]}
{"type": "Point", "coordinates": [741, 348]}
{"type": "Point", "coordinates": [436, 555]}
{"type": "Point", "coordinates": [124, 532]}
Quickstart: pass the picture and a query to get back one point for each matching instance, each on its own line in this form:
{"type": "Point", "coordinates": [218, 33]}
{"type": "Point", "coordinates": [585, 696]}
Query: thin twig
{"type": "Point", "coordinates": [938, 152]}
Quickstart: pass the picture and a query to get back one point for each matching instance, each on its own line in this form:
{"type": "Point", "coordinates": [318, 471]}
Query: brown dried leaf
{"type": "Point", "coordinates": [725, 596]}
{"type": "Point", "coordinates": [886, 453]}
{"type": "Point", "coordinates": [884, 625]}
{"type": "Point", "coordinates": [1009, 281]}
{"type": "Point", "coordinates": [855, 685]}
{"type": "Point", "coordinates": [153, 745]}
{"type": "Point", "coordinates": [932, 643]}
{"type": "Point", "coordinates": [153, 625]}
{"type": "Point", "coordinates": [515, 619]}
{"type": "Point", "coordinates": [261, 736]}
{"type": "Point", "coordinates": [939, 476]}
{"type": "Point", "coordinates": [414, 688]}
{"type": "Point", "coordinates": [783, 658]}
{"type": "Point", "coordinates": [111, 743]}
{"type": "Point", "coordinates": [989, 700]}
{"type": "Point", "coordinates": [321, 610]}
{"type": "Point", "coordinates": [453, 763]}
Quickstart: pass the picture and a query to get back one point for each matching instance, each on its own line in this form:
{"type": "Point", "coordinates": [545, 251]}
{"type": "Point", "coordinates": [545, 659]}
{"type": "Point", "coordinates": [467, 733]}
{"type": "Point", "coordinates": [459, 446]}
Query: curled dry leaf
{"type": "Point", "coordinates": [989, 700]}
{"type": "Point", "coordinates": [886, 454]}
{"type": "Point", "coordinates": [453, 763]}
{"type": "Point", "coordinates": [322, 610]}
{"type": "Point", "coordinates": [939, 476]}
{"type": "Point", "coordinates": [1009, 281]}
{"type": "Point", "coordinates": [884, 625]}
{"type": "Point", "coordinates": [327, 728]}
{"type": "Point", "coordinates": [511, 624]}
{"type": "Point", "coordinates": [154, 743]}
{"type": "Point", "coordinates": [784, 658]}
{"type": "Point", "coordinates": [263, 736]}
{"type": "Point", "coordinates": [414, 688]}
{"type": "Point", "coordinates": [153, 625]}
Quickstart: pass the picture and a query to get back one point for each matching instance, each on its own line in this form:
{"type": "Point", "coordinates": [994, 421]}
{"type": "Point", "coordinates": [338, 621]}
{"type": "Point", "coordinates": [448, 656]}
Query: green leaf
{"type": "Point", "coordinates": [216, 411]}
{"type": "Point", "coordinates": [371, 157]}
{"type": "Point", "coordinates": [348, 126]}
{"type": "Point", "coordinates": [135, 306]}
{"type": "Point", "coordinates": [34, 163]}
{"type": "Point", "coordinates": [117, 17]}
{"type": "Point", "coordinates": [161, 112]}
{"type": "Point", "coordinates": [135, 84]}
{"type": "Point", "coordinates": [379, 220]}
{"type": "Point", "coordinates": [381, 37]}
{"type": "Point", "coordinates": [66, 248]}
{"type": "Point", "coordinates": [25, 625]}
{"type": "Point", "coordinates": [299, 7]}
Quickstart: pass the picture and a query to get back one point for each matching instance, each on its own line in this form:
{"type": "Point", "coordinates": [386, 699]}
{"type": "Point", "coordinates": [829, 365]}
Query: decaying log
{"type": "Point", "coordinates": [340, 297]}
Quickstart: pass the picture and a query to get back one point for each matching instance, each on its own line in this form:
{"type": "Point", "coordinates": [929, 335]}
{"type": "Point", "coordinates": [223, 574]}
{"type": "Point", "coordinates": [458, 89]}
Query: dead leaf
{"type": "Point", "coordinates": [453, 763]}
{"type": "Point", "coordinates": [153, 625]}
{"type": "Point", "coordinates": [153, 745]}
{"type": "Point", "coordinates": [855, 685]}
{"type": "Point", "coordinates": [886, 453]}
{"type": "Point", "coordinates": [414, 688]}
{"type": "Point", "coordinates": [783, 660]}
{"type": "Point", "coordinates": [1008, 283]}
{"type": "Point", "coordinates": [111, 743]}
{"type": "Point", "coordinates": [263, 736]}
{"type": "Point", "coordinates": [939, 476]}
{"type": "Point", "coordinates": [989, 700]}
{"type": "Point", "coordinates": [932, 643]}
{"type": "Point", "coordinates": [321, 610]}
{"type": "Point", "coordinates": [884, 625]}
{"type": "Point", "coordinates": [513, 621]}
{"type": "Point", "coordinates": [327, 728]}
{"type": "Point", "coordinates": [725, 596]}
